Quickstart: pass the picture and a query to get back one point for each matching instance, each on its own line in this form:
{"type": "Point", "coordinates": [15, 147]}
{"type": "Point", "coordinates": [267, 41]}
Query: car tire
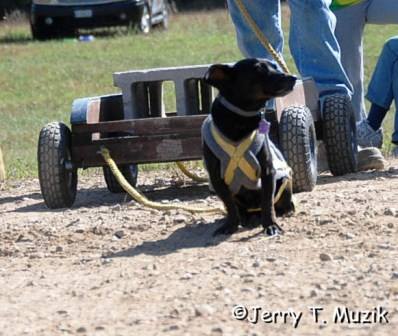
{"type": "Point", "coordinates": [145, 24]}
{"type": "Point", "coordinates": [165, 16]}
{"type": "Point", "coordinates": [297, 139]}
{"type": "Point", "coordinates": [39, 32]}
{"type": "Point", "coordinates": [339, 134]}
{"type": "Point", "coordinates": [42, 33]}
{"type": "Point", "coordinates": [130, 172]}
{"type": "Point", "coordinates": [57, 177]}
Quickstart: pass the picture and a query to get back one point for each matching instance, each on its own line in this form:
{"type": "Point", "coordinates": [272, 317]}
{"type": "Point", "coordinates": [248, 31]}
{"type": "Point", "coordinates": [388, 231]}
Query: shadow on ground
{"type": "Point", "coordinates": [94, 197]}
{"type": "Point", "coordinates": [13, 199]}
{"type": "Point", "coordinates": [190, 236]}
{"type": "Point", "coordinates": [391, 173]}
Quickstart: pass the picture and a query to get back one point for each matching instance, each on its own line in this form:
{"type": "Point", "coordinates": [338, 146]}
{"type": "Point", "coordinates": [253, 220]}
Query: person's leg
{"type": "Point", "coordinates": [349, 30]}
{"type": "Point", "coordinates": [315, 48]}
{"type": "Point", "coordinates": [376, 116]}
{"type": "Point", "coordinates": [394, 139]}
{"type": "Point", "coordinates": [267, 16]}
{"type": "Point", "coordinates": [385, 12]}
{"type": "Point", "coordinates": [380, 89]}
{"type": "Point", "coordinates": [382, 12]}
{"type": "Point", "coordinates": [381, 92]}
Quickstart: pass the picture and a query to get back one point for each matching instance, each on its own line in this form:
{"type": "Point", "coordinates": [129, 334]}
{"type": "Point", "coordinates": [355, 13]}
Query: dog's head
{"type": "Point", "coordinates": [250, 82]}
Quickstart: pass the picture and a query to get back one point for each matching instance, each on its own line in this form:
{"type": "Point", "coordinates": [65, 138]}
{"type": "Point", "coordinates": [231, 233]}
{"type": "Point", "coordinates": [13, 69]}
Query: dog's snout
{"type": "Point", "coordinates": [285, 77]}
{"type": "Point", "coordinates": [291, 80]}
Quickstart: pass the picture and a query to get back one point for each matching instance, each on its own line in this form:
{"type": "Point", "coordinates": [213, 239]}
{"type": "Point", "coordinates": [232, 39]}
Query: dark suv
{"type": "Point", "coordinates": [54, 18]}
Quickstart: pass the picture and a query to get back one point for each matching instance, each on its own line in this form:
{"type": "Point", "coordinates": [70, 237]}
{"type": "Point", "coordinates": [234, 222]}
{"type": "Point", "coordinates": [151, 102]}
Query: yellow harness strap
{"type": "Point", "coordinates": [237, 159]}
{"type": "Point", "coordinates": [277, 197]}
{"type": "Point", "coordinates": [236, 154]}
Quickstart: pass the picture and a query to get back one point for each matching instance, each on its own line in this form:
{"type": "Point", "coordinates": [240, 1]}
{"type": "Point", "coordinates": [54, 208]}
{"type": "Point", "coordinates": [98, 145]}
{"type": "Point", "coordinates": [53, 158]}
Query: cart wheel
{"type": "Point", "coordinates": [58, 178]}
{"type": "Point", "coordinates": [130, 172]}
{"type": "Point", "coordinates": [339, 135]}
{"type": "Point", "coordinates": [298, 144]}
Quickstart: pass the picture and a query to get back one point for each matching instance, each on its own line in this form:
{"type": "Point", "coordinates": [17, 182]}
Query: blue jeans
{"type": "Point", "coordinates": [312, 42]}
{"type": "Point", "coordinates": [350, 26]}
{"type": "Point", "coordinates": [383, 86]}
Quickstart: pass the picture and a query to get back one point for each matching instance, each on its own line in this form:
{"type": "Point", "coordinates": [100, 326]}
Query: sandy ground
{"type": "Point", "coordinates": [108, 267]}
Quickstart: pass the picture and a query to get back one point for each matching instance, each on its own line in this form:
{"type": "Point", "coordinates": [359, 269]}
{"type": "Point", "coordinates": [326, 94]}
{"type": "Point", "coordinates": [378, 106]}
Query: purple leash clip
{"type": "Point", "coordinates": [263, 125]}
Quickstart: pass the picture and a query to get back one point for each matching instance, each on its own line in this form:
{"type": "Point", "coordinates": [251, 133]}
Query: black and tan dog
{"type": "Point", "coordinates": [246, 170]}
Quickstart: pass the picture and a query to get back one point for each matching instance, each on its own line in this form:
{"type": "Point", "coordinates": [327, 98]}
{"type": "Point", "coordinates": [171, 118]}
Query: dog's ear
{"type": "Point", "coordinates": [218, 74]}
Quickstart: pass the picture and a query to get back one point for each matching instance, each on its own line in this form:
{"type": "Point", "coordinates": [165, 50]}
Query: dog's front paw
{"type": "Point", "coordinates": [273, 230]}
{"type": "Point", "coordinates": [226, 229]}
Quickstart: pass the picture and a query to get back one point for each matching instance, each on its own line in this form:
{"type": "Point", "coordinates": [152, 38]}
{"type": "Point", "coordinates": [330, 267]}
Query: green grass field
{"type": "Point", "coordinates": [39, 80]}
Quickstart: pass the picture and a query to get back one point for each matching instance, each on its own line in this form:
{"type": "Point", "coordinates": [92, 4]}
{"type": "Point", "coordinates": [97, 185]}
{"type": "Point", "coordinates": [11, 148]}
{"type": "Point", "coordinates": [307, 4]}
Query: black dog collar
{"type": "Point", "coordinates": [237, 110]}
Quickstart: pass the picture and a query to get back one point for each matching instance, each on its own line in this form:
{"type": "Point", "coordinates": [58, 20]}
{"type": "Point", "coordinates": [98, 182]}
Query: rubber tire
{"type": "Point", "coordinates": [43, 33]}
{"type": "Point", "coordinates": [130, 172]}
{"type": "Point", "coordinates": [57, 183]}
{"type": "Point", "coordinates": [146, 14]}
{"type": "Point", "coordinates": [339, 134]}
{"type": "Point", "coordinates": [40, 33]}
{"type": "Point", "coordinates": [297, 139]}
{"type": "Point", "coordinates": [165, 13]}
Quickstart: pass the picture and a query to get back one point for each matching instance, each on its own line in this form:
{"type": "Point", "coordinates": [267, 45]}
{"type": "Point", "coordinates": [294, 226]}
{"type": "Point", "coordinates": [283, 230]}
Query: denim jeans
{"type": "Point", "coordinates": [312, 42]}
{"type": "Point", "coordinates": [350, 26]}
{"type": "Point", "coordinates": [383, 86]}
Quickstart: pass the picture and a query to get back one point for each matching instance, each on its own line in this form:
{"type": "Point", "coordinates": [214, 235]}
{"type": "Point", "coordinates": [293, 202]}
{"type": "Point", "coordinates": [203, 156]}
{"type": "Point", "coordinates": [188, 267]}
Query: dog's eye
{"type": "Point", "coordinates": [269, 67]}
{"type": "Point", "coordinates": [273, 66]}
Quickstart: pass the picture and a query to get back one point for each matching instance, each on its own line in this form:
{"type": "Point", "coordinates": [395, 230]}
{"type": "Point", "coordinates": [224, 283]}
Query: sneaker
{"type": "Point", "coordinates": [370, 159]}
{"type": "Point", "coordinates": [367, 136]}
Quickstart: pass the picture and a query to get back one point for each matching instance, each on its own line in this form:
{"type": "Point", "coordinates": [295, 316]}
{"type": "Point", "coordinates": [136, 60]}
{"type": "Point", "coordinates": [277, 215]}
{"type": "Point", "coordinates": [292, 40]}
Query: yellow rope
{"type": "Point", "coordinates": [141, 199]}
{"type": "Point", "coordinates": [260, 35]}
{"type": "Point", "coordinates": [191, 175]}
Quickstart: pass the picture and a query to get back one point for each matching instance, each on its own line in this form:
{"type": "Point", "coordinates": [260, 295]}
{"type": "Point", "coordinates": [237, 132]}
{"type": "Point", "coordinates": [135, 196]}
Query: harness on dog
{"type": "Point", "coordinates": [239, 164]}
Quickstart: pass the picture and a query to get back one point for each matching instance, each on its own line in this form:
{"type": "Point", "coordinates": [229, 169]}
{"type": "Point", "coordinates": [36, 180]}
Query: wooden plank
{"type": "Point", "coordinates": [304, 93]}
{"type": "Point", "coordinates": [139, 150]}
{"type": "Point", "coordinates": [145, 126]}
{"type": "Point", "coordinates": [147, 138]}
{"type": "Point", "coordinates": [121, 139]}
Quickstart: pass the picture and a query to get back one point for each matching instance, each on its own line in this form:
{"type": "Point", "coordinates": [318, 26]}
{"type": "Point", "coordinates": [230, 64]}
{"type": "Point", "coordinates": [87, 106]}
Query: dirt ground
{"type": "Point", "coordinates": [109, 267]}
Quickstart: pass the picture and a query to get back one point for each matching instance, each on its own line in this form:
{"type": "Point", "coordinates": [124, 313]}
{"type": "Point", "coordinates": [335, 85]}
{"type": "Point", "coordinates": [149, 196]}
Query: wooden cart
{"type": "Point", "coordinates": [148, 135]}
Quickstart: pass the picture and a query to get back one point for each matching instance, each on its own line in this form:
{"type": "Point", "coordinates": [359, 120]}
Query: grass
{"type": "Point", "coordinates": [40, 80]}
